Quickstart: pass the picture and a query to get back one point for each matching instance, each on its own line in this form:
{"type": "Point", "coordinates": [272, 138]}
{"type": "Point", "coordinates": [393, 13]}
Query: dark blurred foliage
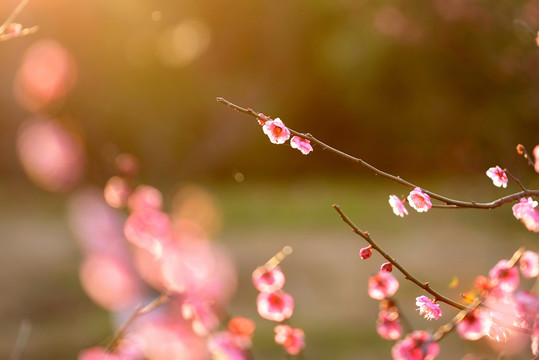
{"type": "Point", "coordinates": [437, 86]}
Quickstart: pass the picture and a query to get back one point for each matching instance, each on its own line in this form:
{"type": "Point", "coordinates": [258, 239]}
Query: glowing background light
{"type": "Point", "coordinates": [184, 43]}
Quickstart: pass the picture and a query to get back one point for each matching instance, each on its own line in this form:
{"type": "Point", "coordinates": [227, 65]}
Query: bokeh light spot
{"type": "Point", "coordinates": [184, 43]}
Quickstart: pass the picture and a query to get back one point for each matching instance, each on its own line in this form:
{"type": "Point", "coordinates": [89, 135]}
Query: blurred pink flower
{"type": "Point", "coordinates": [117, 191]}
{"type": "Point", "coordinates": [417, 345]}
{"type": "Point", "coordinates": [535, 333]}
{"type": "Point", "coordinates": [149, 229]}
{"type": "Point", "coordinates": [536, 154]}
{"type": "Point", "coordinates": [365, 252]}
{"type": "Point", "coordinates": [276, 131]}
{"type": "Point", "coordinates": [275, 306]}
{"type": "Point", "coordinates": [109, 282]}
{"type": "Point", "coordinates": [268, 279]}
{"type": "Point", "coordinates": [303, 145]}
{"type": "Point", "coordinates": [293, 339]}
{"type": "Point", "coordinates": [145, 197]}
{"type": "Point", "coordinates": [382, 285]}
{"type": "Point", "coordinates": [498, 176]}
{"type": "Point", "coordinates": [419, 200]}
{"type": "Point", "coordinates": [397, 206]}
{"type": "Point", "coordinates": [14, 29]}
{"type": "Point", "coordinates": [127, 164]}
{"type": "Point", "coordinates": [241, 326]}
{"type": "Point", "coordinates": [52, 157]}
{"type": "Point", "coordinates": [529, 264]}
{"type": "Point", "coordinates": [388, 325]}
{"type": "Point", "coordinates": [97, 353]}
{"type": "Point", "coordinates": [474, 325]}
{"type": "Point", "coordinates": [202, 315]}
{"type": "Point", "coordinates": [505, 278]}
{"type": "Point", "coordinates": [524, 206]}
{"type": "Point", "coordinates": [225, 345]}
{"type": "Point", "coordinates": [430, 310]}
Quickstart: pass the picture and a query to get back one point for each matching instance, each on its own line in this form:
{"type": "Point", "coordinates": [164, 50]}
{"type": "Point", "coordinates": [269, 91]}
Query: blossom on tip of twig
{"type": "Point", "coordinates": [419, 200]}
{"type": "Point", "coordinates": [387, 267]}
{"type": "Point", "coordinates": [498, 176]}
{"type": "Point", "coordinates": [301, 144]}
{"type": "Point", "coordinates": [397, 205]}
{"type": "Point", "coordinates": [382, 285]}
{"type": "Point", "coordinates": [429, 309]}
{"type": "Point", "coordinates": [277, 132]}
{"type": "Point", "coordinates": [293, 339]}
{"type": "Point", "coordinates": [365, 252]}
{"type": "Point", "coordinates": [268, 280]}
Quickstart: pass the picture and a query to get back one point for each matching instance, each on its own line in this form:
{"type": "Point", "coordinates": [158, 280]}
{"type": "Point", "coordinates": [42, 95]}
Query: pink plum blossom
{"type": "Point", "coordinates": [536, 157]}
{"type": "Point", "coordinates": [429, 309]}
{"type": "Point", "coordinates": [419, 200]}
{"type": "Point", "coordinates": [365, 252]}
{"type": "Point", "coordinates": [535, 333]}
{"type": "Point", "coordinates": [97, 353]}
{"type": "Point", "coordinates": [116, 192]}
{"type": "Point", "coordinates": [275, 306]}
{"type": "Point", "coordinates": [498, 176]}
{"type": "Point", "coordinates": [474, 325]}
{"type": "Point", "coordinates": [397, 205]}
{"type": "Point", "coordinates": [149, 229]}
{"type": "Point", "coordinates": [228, 346]}
{"type": "Point", "coordinates": [382, 285]}
{"type": "Point", "coordinates": [524, 206]}
{"type": "Point", "coordinates": [531, 220]}
{"type": "Point", "coordinates": [303, 145]}
{"type": "Point", "coordinates": [529, 264]}
{"type": "Point", "coordinates": [277, 132]}
{"type": "Point", "coordinates": [293, 339]}
{"type": "Point", "coordinates": [241, 326]}
{"type": "Point", "coordinates": [14, 29]}
{"type": "Point", "coordinates": [387, 267]}
{"type": "Point", "coordinates": [505, 277]}
{"type": "Point", "coordinates": [268, 279]}
{"type": "Point", "coordinates": [388, 325]}
{"type": "Point", "coordinates": [145, 197]}
{"type": "Point", "coordinates": [417, 345]}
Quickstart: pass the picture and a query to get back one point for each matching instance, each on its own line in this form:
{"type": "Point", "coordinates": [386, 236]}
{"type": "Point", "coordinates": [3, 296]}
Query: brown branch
{"type": "Point", "coordinates": [448, 202]}
{"type": "Point", "coordinates": [423, 285]}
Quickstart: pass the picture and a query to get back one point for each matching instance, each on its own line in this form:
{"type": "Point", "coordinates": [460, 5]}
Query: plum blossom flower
{"type": "Point", "coordinates": [505, 276]}
{"type": "Point", "coordinates": [96, 353]}
{"type": "Point", "coordinates": [116, 192]}
{"type": "Point", "coordinates": [277, 132]}
{"type": "Point", "coordinates": [524, 206]}
{"type": "Point", "coordinates": [268, 279]}
{"type": "Point", "coordinates": [303, 145]}
{"type": "Point", "coordinates": [275, 306]}
{"type": "Point", "coordinates": [145, 197]}
{"type": "Point", "coordinates": [418, 345]}
{"type": "Point", "coordinates": [536, 156]}
{"type": "Point", "coordinates": [293, 339]}
{"type": "Point", "coordinates": [397, 206]}
{"type": "Point", "coordinates": [149, 229]}
{"type": "Point", "coordinates": [382, 285]}
{"type": "Point", "coordinates": [365, 252]}
{"type": "Point", "coordinates": [529, 264]}
{"type": "Point", "coordinates": [419, 200]}
{"type": "Point", "coordinates": [241, 326]}
{"type": "Point", "coordinates": [387, 267]}
{"type": "Point", "coordinates": [429, 309]}
{"type": "Point", "coordinates": [498, 176]}
{"type": "Point", "coordinates": [388, 325]}
{"type": "Point", "coordinates": [474, 325]}
{"type": "Point", "coordinates": [227, 346]}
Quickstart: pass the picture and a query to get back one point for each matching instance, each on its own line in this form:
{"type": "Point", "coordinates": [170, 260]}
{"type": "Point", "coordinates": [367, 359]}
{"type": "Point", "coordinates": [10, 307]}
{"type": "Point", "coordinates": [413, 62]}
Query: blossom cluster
{"type": "Point", "coordinates": [278, 133]}
{"type": "Point", "coordinates": [275, 305]}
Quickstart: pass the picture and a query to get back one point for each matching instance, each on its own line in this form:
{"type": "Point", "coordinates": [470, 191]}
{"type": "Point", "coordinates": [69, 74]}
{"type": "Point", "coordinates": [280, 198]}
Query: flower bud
{"type": "Point", "coordinates": [366, 252]}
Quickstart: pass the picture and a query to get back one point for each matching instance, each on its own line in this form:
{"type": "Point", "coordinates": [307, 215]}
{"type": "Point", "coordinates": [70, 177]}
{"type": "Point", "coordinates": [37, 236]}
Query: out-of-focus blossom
{"type": "Point", "coordinates": [524, 206]}
{"type": "Point", "coordinates": [241, 326]}
{"type": "Point", "coordinates": [483, 283]}
{"type": "Point", "coordinates": [292, 339]}
{"type": "Point", "coordinates": [417, 345]}
{"type": "Point", "coordinates": [526, 304]}
{"type": "Point", "coordinates": [397, 205]}
{"type": "Point", "coordinates": [498, 176]}
{"type": "Point", "coordinates": [535, 333]}
{"type": "Point", "coordinates": [505, 277]}
{"type": "Point", "coordinates": [365, 252]}
{"type": "Point", "coordinates": [14, 29]}
{"type": "Point", "coordinates": [47, 73]}
{"type": "Point", "coordinates": [202, 315]}
{"type": "Point", "coordinates": [427, 308]}
{"type": "Point", "coordinates": [275, 306]}
{"type": "Point", "coordinates": [382, 285]}
{"type": "Point", "coordinates": [145, 197]}
{"type": "Point", "coordinates": [127, 164]}
{"type": "Point", "coordinates": [474, 325]}
{"type": "Point", "coordinates": [109, 282]}
{"type": "Point", "coordinates": [277, 132]}
{"type": "Point", "coordinates": [52, 157]}
{"type": "Point", "coordinates": [303, 145]}
{"type": "Point", "coordinates": [498, 332]}
{"type": "Point", "coordinates": [268, 279]}
{"type": "Point", "coordinates": [225, 345]}
{"type": "Point", "coordinates": [388, 325]}
{"type": "Point", "coordinates": [529, 264]}
{"type": "Point", "coordinates": [97, 353]}
{"type": "Point", "coordinates": [117, 191]}
{"type": "Point", "coordinates": [536, 151]}
{"type": "Point", "coordinates": [419, 200]}
{"type": "Point", "coordinates": [387, 267]}
{"type": "Point", "coordinates": [149, 229]}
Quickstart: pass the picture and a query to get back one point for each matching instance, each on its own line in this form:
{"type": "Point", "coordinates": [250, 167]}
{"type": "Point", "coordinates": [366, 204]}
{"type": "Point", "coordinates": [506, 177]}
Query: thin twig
{"type": "Point", "coordinates": [445, 329]}
{"type": "Point", "coordinates": [139, 311]}
{"type": "Point", "coordinates": [13, 15]}
{"type": "Point", "coordinates": [423, 285]}
{"type": "Point", "coordinates": [22, 340]}
{"type": "Point", "coordinates": [24, 32]}
{"type": "Point", "coordinates": [522, 151]}
{"type": "Point", "coordinates": [449, 203]}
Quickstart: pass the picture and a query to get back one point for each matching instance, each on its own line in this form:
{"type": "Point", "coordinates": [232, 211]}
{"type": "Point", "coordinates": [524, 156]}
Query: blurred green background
{"type": "Point", "coordinates": [436, 91]}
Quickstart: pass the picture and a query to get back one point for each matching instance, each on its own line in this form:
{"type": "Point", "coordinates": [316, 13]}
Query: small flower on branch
{"type": "Point", "coordinates": [419, 200]}
{"type": "Point", "coordinates": [474, 325]}
{"type": "Point", "coordinates": [397, 205]}
{"type": "Point", "coordinates": [366, 252]}
{"type": "Point", "coordinates": [301, 144]}
{"type": "Point", "coordinates": [275, 306]}
{"type": "Point", "coordinates": [382, 285]}
{"type": "Point", "coordinates": [268, 280]}
{"type": "Point", "coordinates": [505, 276]}
{"type": "Point", "coordinates": [386, 267]}
{"type": "Point", "coordinates": [293, 339]}
{"type": "Point", "coordinates": [277, 132]}
{"type": "Point", "coordinates": [429, 309]}
{"type": "Point", "coordinates": [498, 176]}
